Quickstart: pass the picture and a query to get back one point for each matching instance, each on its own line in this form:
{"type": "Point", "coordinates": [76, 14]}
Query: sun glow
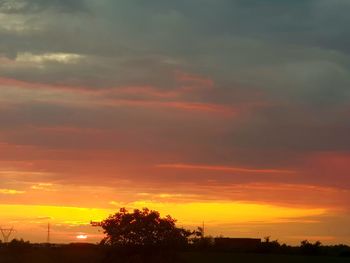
{"type": "Point", "coordinates": [72, 220]}
{"type": "Point", "coordinates": [217, 213]}
{"type": "Point", "coordinates": [81, 237]}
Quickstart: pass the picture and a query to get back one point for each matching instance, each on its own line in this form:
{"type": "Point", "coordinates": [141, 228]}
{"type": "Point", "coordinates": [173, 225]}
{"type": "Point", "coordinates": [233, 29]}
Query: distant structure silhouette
{"type": "Point", "coordinates": [95, 223]}
{"type": "Point", "coordinates": [203, 229]}
{"type": "Point", "coordinates": [48, 233]}
{"type": "Point", "coordinates": [6, 233]}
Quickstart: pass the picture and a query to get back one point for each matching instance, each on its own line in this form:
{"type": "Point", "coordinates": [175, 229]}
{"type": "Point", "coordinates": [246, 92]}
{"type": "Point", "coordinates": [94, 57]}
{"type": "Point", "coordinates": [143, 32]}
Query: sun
{"type": "Point", "coordinates": [81, 236]}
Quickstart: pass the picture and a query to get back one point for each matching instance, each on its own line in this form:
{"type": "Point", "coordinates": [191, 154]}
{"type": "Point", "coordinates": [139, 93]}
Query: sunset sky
{"type": "Point", "coordinates": [231, 112]}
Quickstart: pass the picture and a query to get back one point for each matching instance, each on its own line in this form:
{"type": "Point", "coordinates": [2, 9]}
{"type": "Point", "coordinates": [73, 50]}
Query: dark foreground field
{"type": "Point", "coordinates": [90, 255]}
{"type": "Point", "coordinates": [247, 258]}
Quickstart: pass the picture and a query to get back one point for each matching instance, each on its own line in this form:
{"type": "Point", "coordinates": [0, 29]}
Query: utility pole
{"type": "Point", "coordinates": [203, 229]}
{"type": "Point", "coordinates": [48, 233]}
{"type": "Point", "coordinates": [6, 233]}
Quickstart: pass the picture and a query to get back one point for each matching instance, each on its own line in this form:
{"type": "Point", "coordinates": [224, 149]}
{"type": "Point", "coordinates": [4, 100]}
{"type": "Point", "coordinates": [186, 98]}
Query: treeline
{"type": "Point", "coordinates": [203, 244]}
{"type": "Point", "coordinates": [146, 236]}
{"type": "Point", "coordinates": [271, 247]}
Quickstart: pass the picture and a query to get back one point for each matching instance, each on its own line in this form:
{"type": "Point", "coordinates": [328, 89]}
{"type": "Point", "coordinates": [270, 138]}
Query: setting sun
{"type": "Point", "coordinates": [81, 237]}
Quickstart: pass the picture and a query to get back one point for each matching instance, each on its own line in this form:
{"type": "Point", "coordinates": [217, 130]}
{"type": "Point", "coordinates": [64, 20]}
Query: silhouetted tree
{"type": "Point", "coordinates": [18, 245]}
{"type": "Point", "coordinates": [310, 248]}
{"type": "Point", "coordinates": [143, 228]}
{"type": "Point", "coordinates": [268, 246]}
{"type": "Point", "coordinates": [199, 232]}
{"type": "Point", "coordinates": [200, 240]}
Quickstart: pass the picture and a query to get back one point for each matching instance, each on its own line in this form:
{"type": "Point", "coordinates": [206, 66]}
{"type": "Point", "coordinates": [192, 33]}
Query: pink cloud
{"type": "Point", "coordinates": [223, 168]}
{"type": "Point", "coordinates": [180, 105]}
{"type": "Point", "coordinates": [330, 168]}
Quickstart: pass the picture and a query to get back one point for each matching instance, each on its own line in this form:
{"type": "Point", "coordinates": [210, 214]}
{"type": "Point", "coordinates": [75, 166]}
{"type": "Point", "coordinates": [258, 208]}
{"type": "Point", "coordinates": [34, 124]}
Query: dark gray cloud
{"type": "Point", "coordinates": [296, 128]}
{"type": "Point", "coordinates": [35, 6]}
{"type": "Point", "coordinates": [284, 65]}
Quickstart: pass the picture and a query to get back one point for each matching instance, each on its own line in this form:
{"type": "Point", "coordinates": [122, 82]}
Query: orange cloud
{"type": "Point", "coordinates": [329, 168]}
{"type": "Point", "coordinates": [147, 91]}
{"type": "Point", "coordinates": [11, 192]}
{"type": "Point", "coordinates": [181, 105]}
{"type": "Point", "coordinates": [222, 168]}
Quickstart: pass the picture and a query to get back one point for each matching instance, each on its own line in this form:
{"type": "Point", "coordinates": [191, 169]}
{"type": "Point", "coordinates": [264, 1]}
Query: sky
{"type": "Point", "coordinates": [234, 113]}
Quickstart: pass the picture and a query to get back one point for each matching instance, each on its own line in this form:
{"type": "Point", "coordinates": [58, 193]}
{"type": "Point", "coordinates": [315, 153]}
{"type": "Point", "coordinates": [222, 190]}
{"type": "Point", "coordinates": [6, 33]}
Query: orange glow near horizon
{"type": "Point", "coordinates": [190, 215]}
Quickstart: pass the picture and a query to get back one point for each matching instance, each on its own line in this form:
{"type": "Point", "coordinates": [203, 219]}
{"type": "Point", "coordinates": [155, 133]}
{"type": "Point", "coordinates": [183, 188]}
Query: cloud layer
{"type": "Point", "coordinates": [223, 100]}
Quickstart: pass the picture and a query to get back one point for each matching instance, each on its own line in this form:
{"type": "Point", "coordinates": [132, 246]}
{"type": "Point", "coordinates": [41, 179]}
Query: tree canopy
{"type": "Point", "coordinates": [143, 228]}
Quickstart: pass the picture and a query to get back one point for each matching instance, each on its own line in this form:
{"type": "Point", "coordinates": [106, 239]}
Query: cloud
{"type": "Point", "coordinates": [43, 187]}
{"type": "Point", "coordinates": [53, 57]}
{"type": "Point", "coordinates": [35, 6]}
{"type": "Point", "coordinates": [252, 103]}
{"type": "Point", "coordinates": [11, 192]}
{"type": "Point", "coordinates": [223, 168]}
